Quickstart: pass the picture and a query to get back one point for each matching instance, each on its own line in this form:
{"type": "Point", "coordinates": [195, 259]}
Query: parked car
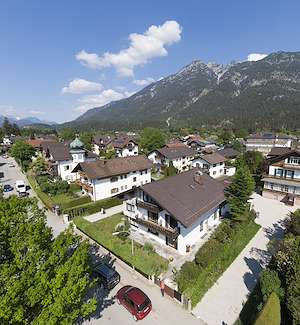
{"type": "Point", "coordinates": [135, 301]}
{"type": "Point", "coordinates": [23, 194]}
{"type": "Point", "coordinates": [11, 165]}
{"type": "Point", "coordinates": [109, 276]}
{"type": "Point", "coordinates": [7, 188]}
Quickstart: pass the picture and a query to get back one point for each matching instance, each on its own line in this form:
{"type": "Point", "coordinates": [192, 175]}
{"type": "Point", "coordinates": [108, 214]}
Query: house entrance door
{"type": "Point", "coordinates": [172, 242]}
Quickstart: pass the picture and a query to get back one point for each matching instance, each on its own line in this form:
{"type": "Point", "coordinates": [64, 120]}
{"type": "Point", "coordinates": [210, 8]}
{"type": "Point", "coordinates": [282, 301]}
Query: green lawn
{"type": "Point", "coordinates": [101, 231]}
{"type": "Point", "coordinates": [222, 259]}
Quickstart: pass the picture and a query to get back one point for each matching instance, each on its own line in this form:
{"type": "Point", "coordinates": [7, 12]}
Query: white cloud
{"type": "Point", "coordinates": [143, 82]}
{"type": "Point", "coordinates": [35, 112]}
{"type": "Point", "coordinates": [80, 86]}
{"type": "Point", "coordinates": [256, 56]}
{"type": "Point", "coordinates": [142, 48]}
{"type": "Point", "coordinates": [98, 100]}
{"type": "Point", "coordinates": [7, 110]}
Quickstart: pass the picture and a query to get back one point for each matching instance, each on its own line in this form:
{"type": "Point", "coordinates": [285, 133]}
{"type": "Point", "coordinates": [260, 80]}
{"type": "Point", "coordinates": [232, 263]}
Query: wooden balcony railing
{"type": "Point", "coordinates": [85, 186]}
{"type": "Point", "coordinates": [148, 206]}
{"type": "Point", "coordinates": [170, 232]}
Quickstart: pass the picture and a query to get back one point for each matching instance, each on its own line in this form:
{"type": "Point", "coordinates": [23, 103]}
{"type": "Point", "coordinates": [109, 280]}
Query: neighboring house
{"type": "Point", "coordinates": [282, 181]}
{"type": "Point", "coordinates": [278, 151]}
{"type": "Point", "coordinates": [177, 211]}
{"type": "Point", "coordinates": [125, 147]}
{"type": "Point", "coordinates": [214, 165]}
{"type": "Point", "coordinates": [175, 143]}
{"type": "Point", "coordinates": [180, 157]}
{"type": "Point", "coordinates": [63, 157]}
{"type": "Point", "coordinates": [229, 153]}
{"type": "Point", "coordinates": [200, 145]}
{"type": "Point", "coordinates": [102, 179]}
{"type": "Point", "coordinates": [39, 143]}
{"type": "Point", "coordinates": [100, 143]}
{"type": "Point", "coordinates": [266, 141]}
{"type": "Point", "coordinates": [7, 141]}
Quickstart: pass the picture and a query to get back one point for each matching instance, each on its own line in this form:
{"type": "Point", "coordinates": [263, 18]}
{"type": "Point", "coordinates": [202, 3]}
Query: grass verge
{"type": "Point", "coordinates": [101, 231]}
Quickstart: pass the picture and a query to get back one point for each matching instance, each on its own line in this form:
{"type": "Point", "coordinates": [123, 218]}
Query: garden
{"type": "Point", "coordinates": [144, 258]}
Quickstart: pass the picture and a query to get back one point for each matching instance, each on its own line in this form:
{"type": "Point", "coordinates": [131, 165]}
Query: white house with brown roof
{"type": "Point", "coordinates": [282, 180]}
{"type": "Point", "coordinates": [62, 157]}
{"type": "Point", "coordinates": [177, 211]}
{"type": "Point", "coordinates": [102, 179]}
{"type": "Point", "coordinates": [214, 165]}
{"type": "Point", "coordinates": [125, 147]}
{"type": "Point", "coordinates": [181, 157]}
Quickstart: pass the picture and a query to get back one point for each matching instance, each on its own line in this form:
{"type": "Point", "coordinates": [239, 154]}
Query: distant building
{"type": "Point", "coordinates": [229, 153]}
{"type": "Point", "coordinates": [214, 165]}
{"type": "Point", "coordinates": [200, 145]}
{"type": "Point", "coordinates": [177, 211]}
{"type": "Point", "coordinates": [282, 180]}
{"type": "Point", "coordinates": [125, 147]}
{"type": "Point", "coordinates": [266, 141]}
{"type": "Point", "coordinates": [62, 157]}
{"type": "Point", "coordinates": [180, 157]}
{"type": "Point", "coordinates": [100, 143]}
{"type": "Point", "coordinates": [102, 179]}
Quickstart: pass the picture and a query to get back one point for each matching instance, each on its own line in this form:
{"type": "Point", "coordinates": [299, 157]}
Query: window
{"type": "Point", "coordinates": [134, 179]}
{"type": "Point", "coordinates": [279, 172]}
{"type": "Point", "coordinates": [125, 187]}
{"type": "Point", "coordinates": [122, 188]}
{"type": "Point", "coordinates": [214, 165]}
{"type": "Point", "coordinates": [114, 190]}
{"type": "Point", "coordinates": [130, 207]}
{"type": "Point", "coordinates": [221, 171]}
{"type": "Point", "coordinates": [67, 167]}
{"type": "Point", "coordinates": [114, 179]}
{"type": "Point", "coordinates": [214, 172]}
{"type": "Point", "coordinates": [201, 226]}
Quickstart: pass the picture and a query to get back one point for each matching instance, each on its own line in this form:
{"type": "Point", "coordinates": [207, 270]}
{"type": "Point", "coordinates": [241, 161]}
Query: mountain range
{"type": "Point", "coordinates": [26, 121]}
{"type": "Point", "coordinates": [255, 95]}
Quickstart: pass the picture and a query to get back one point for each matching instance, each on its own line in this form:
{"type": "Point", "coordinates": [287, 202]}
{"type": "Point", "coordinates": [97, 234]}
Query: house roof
{"type": "Point", "coordinates": [228, 153]}
{"type": "Point", "coordinates": [178, 152]}
{"type": "Point", "coordinates": [213, 158]}
{"type": "Point", "coordinates": [185, 196]}
{"type": "Point", "coordinates": [175, 143]}
{"type": "Point", "coordinates": [102, 140]}
{"type": "Point", "coordinates": [113, 167]}
{"type": "Point", "coordinates": [61, 151]}
{"type": "Point", "coordinates": [122, 142]}
{"type": "Point", "coordinates": [278, 151]}
{"type": "Point", "coordinates": [283, 156]}
{"type": "Point", "coordinates": [37, 143]}
{"type": "Point", "coordinates": [268, 136]}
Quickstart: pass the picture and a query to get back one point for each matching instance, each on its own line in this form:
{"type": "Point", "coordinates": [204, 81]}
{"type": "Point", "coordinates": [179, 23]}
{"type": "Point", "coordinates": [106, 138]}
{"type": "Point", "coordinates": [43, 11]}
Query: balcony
{"type": "Point", "coordinates": [292, 179]}
{"type": "Point", "coordinates": [170, 232]}
{"type": "Point", "coordinates": [148, 206]}
{"type": "Point", "coordinates": [85, 186]}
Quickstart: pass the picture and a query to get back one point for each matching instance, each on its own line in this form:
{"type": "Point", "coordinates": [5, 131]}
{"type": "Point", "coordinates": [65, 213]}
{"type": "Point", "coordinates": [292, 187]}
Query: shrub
{"type": "Point", "coordinates": [148, 247]}
{"type": "Point", "coordinates": [270, 282]}
{"type": "Point", "coordinates": [206, 254]}
{"type": "Point", "coordinates": [76, 202]}
{"type": "Point", "coordinates": [270, 313]}
{"type": "Point", "coordinates": [187, 275]}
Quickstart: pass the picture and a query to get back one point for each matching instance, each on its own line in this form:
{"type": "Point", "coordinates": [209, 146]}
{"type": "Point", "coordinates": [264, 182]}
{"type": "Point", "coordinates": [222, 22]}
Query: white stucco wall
{"type": "Point", "coordinates": [214, 171]}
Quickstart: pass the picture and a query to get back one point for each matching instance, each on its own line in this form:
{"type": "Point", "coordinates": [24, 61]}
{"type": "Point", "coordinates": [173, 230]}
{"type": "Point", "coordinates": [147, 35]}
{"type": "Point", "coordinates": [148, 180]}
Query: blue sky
{"type": "Point", "coordinates": [52, 62]}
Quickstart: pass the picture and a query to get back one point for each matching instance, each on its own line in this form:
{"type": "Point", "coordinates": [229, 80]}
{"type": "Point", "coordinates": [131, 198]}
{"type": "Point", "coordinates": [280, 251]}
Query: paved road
{"type": "Point", "coordinates": [165, 311]}
{"type": "Point", "coordinates": [224, 301]}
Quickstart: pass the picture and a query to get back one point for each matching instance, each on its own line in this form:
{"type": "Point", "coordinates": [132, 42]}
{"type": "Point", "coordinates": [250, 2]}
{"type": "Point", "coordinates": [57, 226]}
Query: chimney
{"type": "Point", "coordinates": [198, 177]}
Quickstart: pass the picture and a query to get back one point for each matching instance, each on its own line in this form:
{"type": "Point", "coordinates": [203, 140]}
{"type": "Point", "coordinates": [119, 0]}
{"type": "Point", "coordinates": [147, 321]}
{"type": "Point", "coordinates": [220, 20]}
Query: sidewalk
{"type": "Point", "coordinates": [108, 213]}
{"type": "Point", "coordinates": [224, 301]}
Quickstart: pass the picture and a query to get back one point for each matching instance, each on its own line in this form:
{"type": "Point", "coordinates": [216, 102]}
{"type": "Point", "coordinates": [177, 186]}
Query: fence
{"type": "Point", "coordinates": [176, 295]}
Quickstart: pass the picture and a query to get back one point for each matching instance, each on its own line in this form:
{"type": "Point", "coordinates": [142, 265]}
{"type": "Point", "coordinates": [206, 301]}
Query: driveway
{"type": "Point", "coordinates": [224, 301]}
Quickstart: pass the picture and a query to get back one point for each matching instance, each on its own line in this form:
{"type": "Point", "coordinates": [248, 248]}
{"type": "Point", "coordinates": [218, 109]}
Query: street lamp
{"type": "Point", "coordinates": [127, 232]}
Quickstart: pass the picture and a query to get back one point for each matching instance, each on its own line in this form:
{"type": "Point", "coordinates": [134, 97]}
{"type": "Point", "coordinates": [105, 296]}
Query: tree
{"type": "Point", "coordinates": [269, 282]}
{"type": "Point", "coordinates": [86, 139]}
{"type": "Point", "coordinates": [151, 139]}
{"type": "Point", "coordinates": [254, 160]}
{"type": "Point", "coordinates": [43, 280]}
{"type": "Point", "coordinates": [293, 223]}
{"type": "Point", "coordinates": [23, 153]}
{"type": "Point", "coordinates": [239, 193]}
{"type": "Point", "coordinates": [67, 134]}
{"type": "Point", "coordinates": [15, 129]}
{"type": "Point", "coordinates": [39, 166]}
{"type": "Point", "coordinates": [170, 170]}
{"type": "Point", "coordinates": [7, 127]}
{"type": "Point", "coordinates": [270, 313]}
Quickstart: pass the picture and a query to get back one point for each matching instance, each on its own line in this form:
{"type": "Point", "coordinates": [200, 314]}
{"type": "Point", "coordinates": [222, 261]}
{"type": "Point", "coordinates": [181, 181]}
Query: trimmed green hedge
{"type": "Point", "coordinates": [76, 202]}
{"type": "Point", "coordinates": [270, 313]}
{"type": "Point", "coordinates": [43, 196]}
{"type": "Point", "coordinates": [144, 260]}
{"type": "Point", "coordinates": [93, 207]}
{"type": "Point", "coordinates": [213, 258]}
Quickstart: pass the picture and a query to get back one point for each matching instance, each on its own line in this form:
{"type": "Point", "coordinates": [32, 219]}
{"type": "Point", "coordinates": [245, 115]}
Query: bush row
{"type": "Point", "coordinates": [92, 207]}
{"type": "Point", "coordinates": [79, 201]}
{"type": "Point", "coordinates": [43, 196]}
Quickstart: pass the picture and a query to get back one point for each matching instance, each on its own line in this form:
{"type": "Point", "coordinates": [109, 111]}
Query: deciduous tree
{"type": "Point", "coordinates": [151, 139]}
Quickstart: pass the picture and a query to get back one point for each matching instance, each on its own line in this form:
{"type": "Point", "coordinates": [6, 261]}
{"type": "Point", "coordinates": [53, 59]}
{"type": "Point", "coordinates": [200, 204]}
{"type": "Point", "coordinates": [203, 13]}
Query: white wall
{"type": "Point", "coordinates": [179, 163]}
{"type": "Point", "coordinates": [102, 188]}
{"type": "Point", "coordinates": [214, 171]}
{"type": "Point", "coordinates": [126, 152]}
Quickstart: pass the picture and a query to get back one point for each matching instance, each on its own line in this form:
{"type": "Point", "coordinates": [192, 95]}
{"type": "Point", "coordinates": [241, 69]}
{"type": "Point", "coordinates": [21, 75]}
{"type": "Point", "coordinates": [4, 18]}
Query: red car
{"type": "Point", "coordinates": [135, 300]}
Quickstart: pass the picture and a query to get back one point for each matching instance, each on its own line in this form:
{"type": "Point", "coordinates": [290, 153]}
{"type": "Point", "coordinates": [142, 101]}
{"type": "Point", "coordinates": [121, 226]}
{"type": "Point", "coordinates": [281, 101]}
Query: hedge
{"type": "Point", "coordinates": [93, 207]}
{"type": "Point", "coordinates": [213, 258]}
{"type": "Point", "coordinates": [43, 196]}
{"type": "Point", "coordinates": [76, 202]}
{"type": "Point", "coordinates": [270, 313]}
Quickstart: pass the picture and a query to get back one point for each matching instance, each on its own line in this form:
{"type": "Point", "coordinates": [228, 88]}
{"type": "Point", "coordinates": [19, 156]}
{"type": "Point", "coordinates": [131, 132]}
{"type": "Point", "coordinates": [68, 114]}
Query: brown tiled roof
{"type": "Point", "coordinates": [112, 167]}
{"type": "Point", "coordinates": [185, 198]}
{"type": "Point", "coordinates": [213, 158]}
{"type": "Point", "coordinates": [37, 143]}
{"type": "Point", "coordinates": [175, 144]}
{"type": "Point", "coordinates": [228, 153]}
{"type": "Point", "coordinates": [178, 152]}
{"type": "Point", "coordinates": [278, 151]}
{"type": "Point", "coordinates": [122, 142]}
{"type": "Point", "coordinates": [102, 140]}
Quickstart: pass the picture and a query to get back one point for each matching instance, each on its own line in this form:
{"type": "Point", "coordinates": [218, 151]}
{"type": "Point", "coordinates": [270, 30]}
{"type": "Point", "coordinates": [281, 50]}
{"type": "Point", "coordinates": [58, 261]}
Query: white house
{"type": "Point", "coordinates": [214, 165]}
{"type": "Point", "coordinates": [100, 143]}
{"type": "Point", "coordinates": [63, 157]}
{"type": "Point", "coordinates": [102, 179]}
{"type": "Point", "coordinates": [177, 211]}
{"type": "Point", "coordinates": [181, 157]}
{"type": "Point", "coordinates": [125, 147]}
{"type": "Point", "coordinates": [282, 181]}
{"type": "Point", "coordinates": [266, 141]}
